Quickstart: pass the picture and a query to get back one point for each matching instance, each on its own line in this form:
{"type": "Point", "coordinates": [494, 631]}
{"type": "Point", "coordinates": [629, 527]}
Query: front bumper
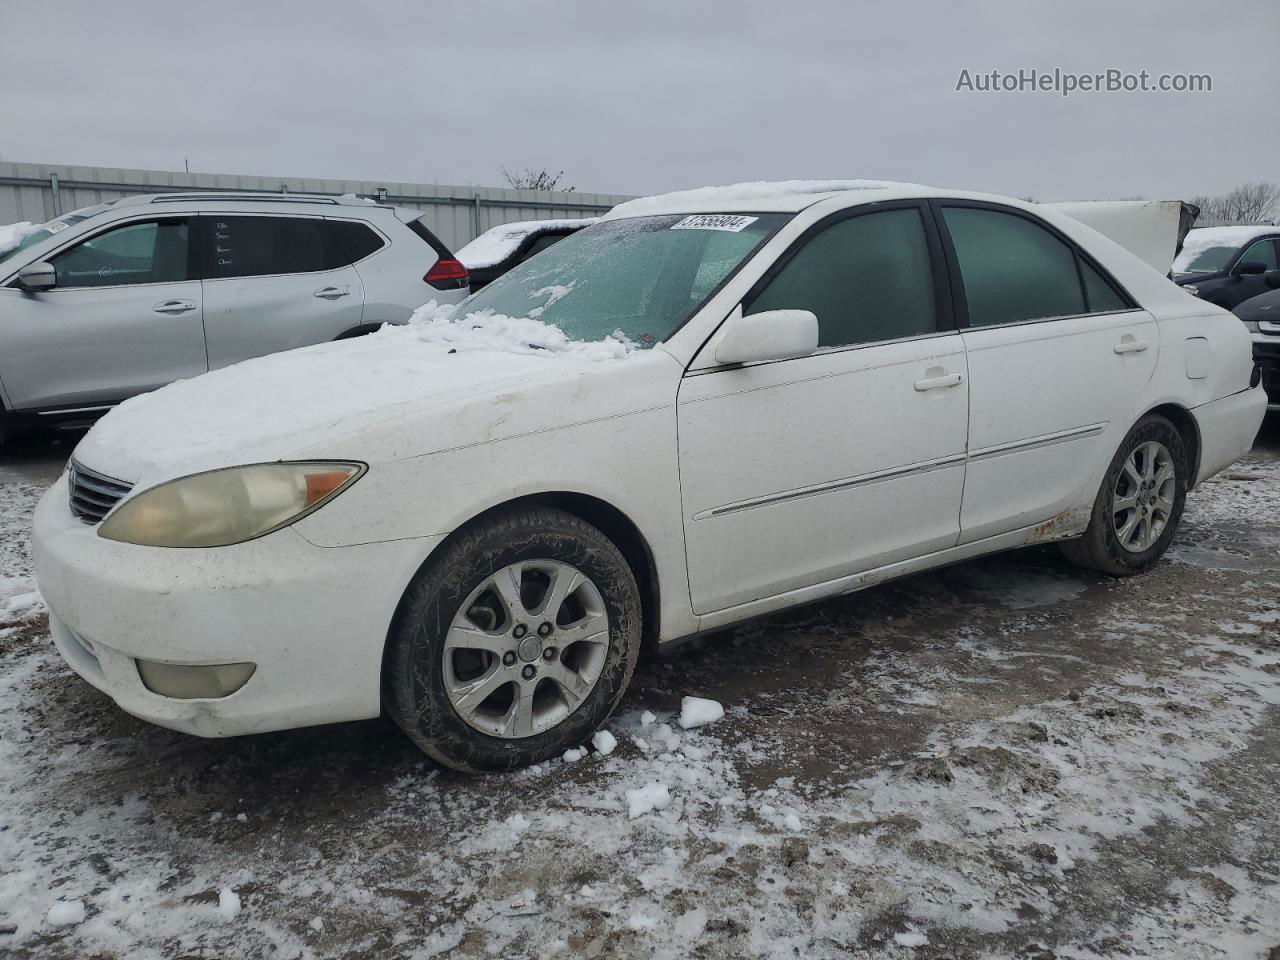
{"type": "Point", "coordinates": [1266, 353]}
{"type": "Point", "coordinates": [313, 619]}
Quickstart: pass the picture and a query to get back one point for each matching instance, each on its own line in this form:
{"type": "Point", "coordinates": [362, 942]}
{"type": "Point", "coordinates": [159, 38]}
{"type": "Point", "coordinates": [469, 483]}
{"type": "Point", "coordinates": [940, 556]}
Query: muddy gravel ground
{"type": "Point", "coordinates": [1005, 758]}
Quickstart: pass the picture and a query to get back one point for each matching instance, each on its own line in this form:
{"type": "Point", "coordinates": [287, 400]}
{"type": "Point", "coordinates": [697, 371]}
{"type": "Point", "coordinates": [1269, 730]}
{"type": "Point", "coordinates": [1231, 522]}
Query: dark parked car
{"type": "Point", "coordinates": [1228, 265]}
{"type": "Point", "coordinates": [1261, 314]}
{"type": "Point", "coordinates": [496, 251]}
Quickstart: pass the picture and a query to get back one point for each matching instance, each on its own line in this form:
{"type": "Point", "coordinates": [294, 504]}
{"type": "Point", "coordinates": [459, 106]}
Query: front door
{"type": "Point", "coordinates": [802, 471]}
{"type": "Point", "coordinates": [123, 318]}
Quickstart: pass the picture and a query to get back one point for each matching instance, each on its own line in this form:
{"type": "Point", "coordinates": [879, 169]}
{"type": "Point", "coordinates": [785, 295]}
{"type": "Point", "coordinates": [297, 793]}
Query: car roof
{"type": "Point", "coordinates": [787, 196]}
{"type": "Point", "coordinates": [253, 196]}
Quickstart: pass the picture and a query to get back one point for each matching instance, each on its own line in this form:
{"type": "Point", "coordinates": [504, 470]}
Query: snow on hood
{"type": "Point", "coordinates": [12, 234]}
{"type": "Point", "coordinates": [1204, 238]}
{"type": "Point", "coordinates": [272, 407]}
{"type": "Point", "coordinates": [734, 195]}
{"type": "Point", "coordinates": [496, 244]}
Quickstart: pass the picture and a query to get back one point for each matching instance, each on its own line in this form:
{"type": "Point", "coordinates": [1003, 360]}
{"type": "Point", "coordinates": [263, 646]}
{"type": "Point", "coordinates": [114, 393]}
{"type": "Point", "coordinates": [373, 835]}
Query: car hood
{"type": "Point", "coordinates": [385, 396]}
{"type": "Point", "coordinates": [1265, 306]}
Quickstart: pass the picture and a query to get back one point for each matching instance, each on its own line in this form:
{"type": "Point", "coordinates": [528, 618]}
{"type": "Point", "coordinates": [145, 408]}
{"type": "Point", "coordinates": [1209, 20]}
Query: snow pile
{"type": "Point", "coordinates": [497, 243]}
{"type": "Point", "coordinates": [228, 904]}
{"type": "Point", "coordinates": [1201, 239]}
{"type": "Point", "coordinates": [698, 712]}
{"type": "Point", "coordinates": [66, 913]}
{"type": "Point", "coordinates": [445, 325]}
{"type": "Point", "coordinates": [604, 742]}
{"type": "Point", "coordinates": [642, 800]}
{"type": "Point", "coordinates": [12, 234]}
{"type": "Point", "coordinates": [735, 195]}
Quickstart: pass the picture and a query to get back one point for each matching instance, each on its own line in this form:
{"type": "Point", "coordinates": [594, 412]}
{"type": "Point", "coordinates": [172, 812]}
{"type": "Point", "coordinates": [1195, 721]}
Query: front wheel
{"type": "Point", "coordinates": [514, 643]}
{"type": "Point", "coordinates": [1138, 508]}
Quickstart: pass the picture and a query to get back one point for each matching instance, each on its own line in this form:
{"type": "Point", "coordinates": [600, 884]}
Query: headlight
{"type": "Point", "coordinates": [228, 506]}
{"type": "Point", "coordinates": [1251, 325]}
{"type": "Point", "coordinates": [1192, 289]}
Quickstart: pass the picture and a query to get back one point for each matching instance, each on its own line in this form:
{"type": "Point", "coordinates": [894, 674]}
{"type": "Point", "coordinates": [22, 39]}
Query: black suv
{"type": "Point", "coordinates": [1228, 265]}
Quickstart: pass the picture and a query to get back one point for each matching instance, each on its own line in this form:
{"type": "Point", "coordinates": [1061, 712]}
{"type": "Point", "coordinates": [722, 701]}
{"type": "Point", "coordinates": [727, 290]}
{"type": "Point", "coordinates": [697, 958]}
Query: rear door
{"type": "Point", "coordinates": [1058, 355]}
{"type": "Point", "coordinates": [274, 283]}
{"type": "Point", "coordinates": [124, 318]}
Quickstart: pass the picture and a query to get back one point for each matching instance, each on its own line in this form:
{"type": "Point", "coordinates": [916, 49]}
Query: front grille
{"type": "Point", "coordinates": [92, 494]}
{"type": "Point", "coordinates": [1267, 356]}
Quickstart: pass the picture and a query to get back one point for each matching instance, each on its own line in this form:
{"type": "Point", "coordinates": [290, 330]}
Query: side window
{"type": "Point", "coordinates": [1100, 295]}
{"type": "Point", "coordinates": [867, 278]}
{"type": "Point", "coordinates": [1263, 252]}
{"type": "Point", "coordinates": [151, 252]}
{"type": "Point", "coordinates": [257, 246]}
{"type": "Point", "coordinates": [1012, 268]}
{"type": "Point", "coordinates": [350, 241]}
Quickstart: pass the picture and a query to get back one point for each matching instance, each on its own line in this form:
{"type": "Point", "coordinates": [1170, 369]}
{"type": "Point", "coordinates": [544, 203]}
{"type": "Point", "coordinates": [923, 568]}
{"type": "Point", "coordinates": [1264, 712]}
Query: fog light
{"type": "Point", "coordinates": [194, 683]}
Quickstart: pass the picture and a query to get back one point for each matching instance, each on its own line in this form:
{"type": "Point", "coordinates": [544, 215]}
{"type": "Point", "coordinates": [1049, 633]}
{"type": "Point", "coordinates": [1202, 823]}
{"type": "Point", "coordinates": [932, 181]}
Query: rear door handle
{"type": "Point", "coordinates": [935, 383]}
{"type": "Point", "coordinates": [332, 293]}
{"type": "Point", "coordinates": [174, 307]}
{"type": "Point", "coordinates": [1130, 345]}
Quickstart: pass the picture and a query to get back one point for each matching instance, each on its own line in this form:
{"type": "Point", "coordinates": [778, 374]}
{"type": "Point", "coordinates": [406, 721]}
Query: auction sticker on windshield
{"type": "Point", "coordinates": [714, 221]}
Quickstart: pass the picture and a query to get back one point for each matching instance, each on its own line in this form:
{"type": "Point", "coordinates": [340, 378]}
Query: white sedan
{"type": "Point", "coordinates": [706, 407]}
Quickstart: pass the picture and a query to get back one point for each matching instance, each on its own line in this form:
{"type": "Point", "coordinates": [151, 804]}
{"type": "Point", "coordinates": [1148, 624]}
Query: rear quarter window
{"type": "Point", "coordinates": [352, 241]}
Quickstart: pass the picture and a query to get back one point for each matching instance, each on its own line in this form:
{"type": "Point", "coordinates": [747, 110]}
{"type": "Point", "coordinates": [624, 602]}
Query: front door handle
{"type": "Point", "coordinates": [941, 382]}
{"type": "Point", "coordinates": [1128, 344]}
{"type": "Point", "coordinates": [174, 307]}
{"type": "Point", "coordinates": [332, 293]}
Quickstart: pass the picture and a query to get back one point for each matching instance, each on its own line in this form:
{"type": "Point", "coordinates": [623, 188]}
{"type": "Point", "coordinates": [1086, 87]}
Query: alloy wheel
{"type": "Point", "coordinates": [1144, 495]}
{"type": "Point", "coordinates": [526, 648]}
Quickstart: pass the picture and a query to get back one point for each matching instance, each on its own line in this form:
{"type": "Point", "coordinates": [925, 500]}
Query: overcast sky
{"type": "Point", "coordinates": [635, 97]}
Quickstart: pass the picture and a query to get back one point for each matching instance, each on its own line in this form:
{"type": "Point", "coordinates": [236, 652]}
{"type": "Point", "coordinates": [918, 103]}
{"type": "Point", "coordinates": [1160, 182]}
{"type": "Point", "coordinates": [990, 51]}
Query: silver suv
{"type": "Point", "coordinates": [123, 297]}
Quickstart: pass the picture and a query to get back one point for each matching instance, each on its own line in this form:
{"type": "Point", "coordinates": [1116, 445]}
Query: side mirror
{"type": "Point", "coordinates": [772, 335]}
{"type": "Point", "coordinates": [38, 276]}
{"type": "Point", "coordinates": [1250, 267]}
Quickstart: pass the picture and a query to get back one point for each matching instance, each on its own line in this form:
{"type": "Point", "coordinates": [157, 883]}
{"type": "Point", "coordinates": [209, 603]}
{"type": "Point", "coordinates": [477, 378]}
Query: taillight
{"type": "Point", "coordinates": [447, 274]}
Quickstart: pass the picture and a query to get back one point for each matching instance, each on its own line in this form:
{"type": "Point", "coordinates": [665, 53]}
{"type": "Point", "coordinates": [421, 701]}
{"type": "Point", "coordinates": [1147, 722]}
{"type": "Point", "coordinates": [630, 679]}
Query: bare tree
{"type": "Point", "coordinates": [531, 179]}
{"type": "Point", "coordinates": [1247, 203]}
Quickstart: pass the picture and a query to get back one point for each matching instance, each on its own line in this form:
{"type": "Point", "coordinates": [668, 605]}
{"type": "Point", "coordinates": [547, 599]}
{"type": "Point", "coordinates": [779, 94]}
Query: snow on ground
{"type": "Point", "coordinates": [1006, 758]}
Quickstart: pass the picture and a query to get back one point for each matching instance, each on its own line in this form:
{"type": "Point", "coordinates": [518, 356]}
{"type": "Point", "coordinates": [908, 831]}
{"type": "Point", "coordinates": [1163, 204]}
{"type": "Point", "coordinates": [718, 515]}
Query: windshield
{"type": "Point", "coordinates": [640, 277]}
{"type": "Point", "coordinates": [21, 236]}
{"type": "Point", "coordinates": [1205, 260]}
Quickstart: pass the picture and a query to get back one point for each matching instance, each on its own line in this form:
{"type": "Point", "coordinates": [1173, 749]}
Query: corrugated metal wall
{"type": "Point", "coordinates": [40, 192]}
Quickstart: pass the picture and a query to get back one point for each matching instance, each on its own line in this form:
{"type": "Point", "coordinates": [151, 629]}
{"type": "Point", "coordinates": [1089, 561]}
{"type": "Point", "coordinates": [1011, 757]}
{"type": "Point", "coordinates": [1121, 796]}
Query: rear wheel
{"type": "Point", "coordinates": [514, 643]}
{"type": "Point", "coordinates": [1138, 508]}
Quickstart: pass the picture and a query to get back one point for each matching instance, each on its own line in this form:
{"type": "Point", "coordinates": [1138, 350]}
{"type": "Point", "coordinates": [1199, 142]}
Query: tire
{"type": "Point", "coordinates": [1101, 548]}
{"type": "Point", "coordinates": [471, 690]}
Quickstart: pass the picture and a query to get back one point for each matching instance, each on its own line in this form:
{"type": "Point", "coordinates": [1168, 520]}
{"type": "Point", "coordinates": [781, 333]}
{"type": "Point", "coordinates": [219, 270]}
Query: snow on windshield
{"type": "Point", "coordinates": [486, 330]}
{"type": "Point", "coordinates": [1227, 239]}
{"type": "Point", "coordinates": [12, 235]}
{"type": "Point", "coordinates": [496, 244]}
